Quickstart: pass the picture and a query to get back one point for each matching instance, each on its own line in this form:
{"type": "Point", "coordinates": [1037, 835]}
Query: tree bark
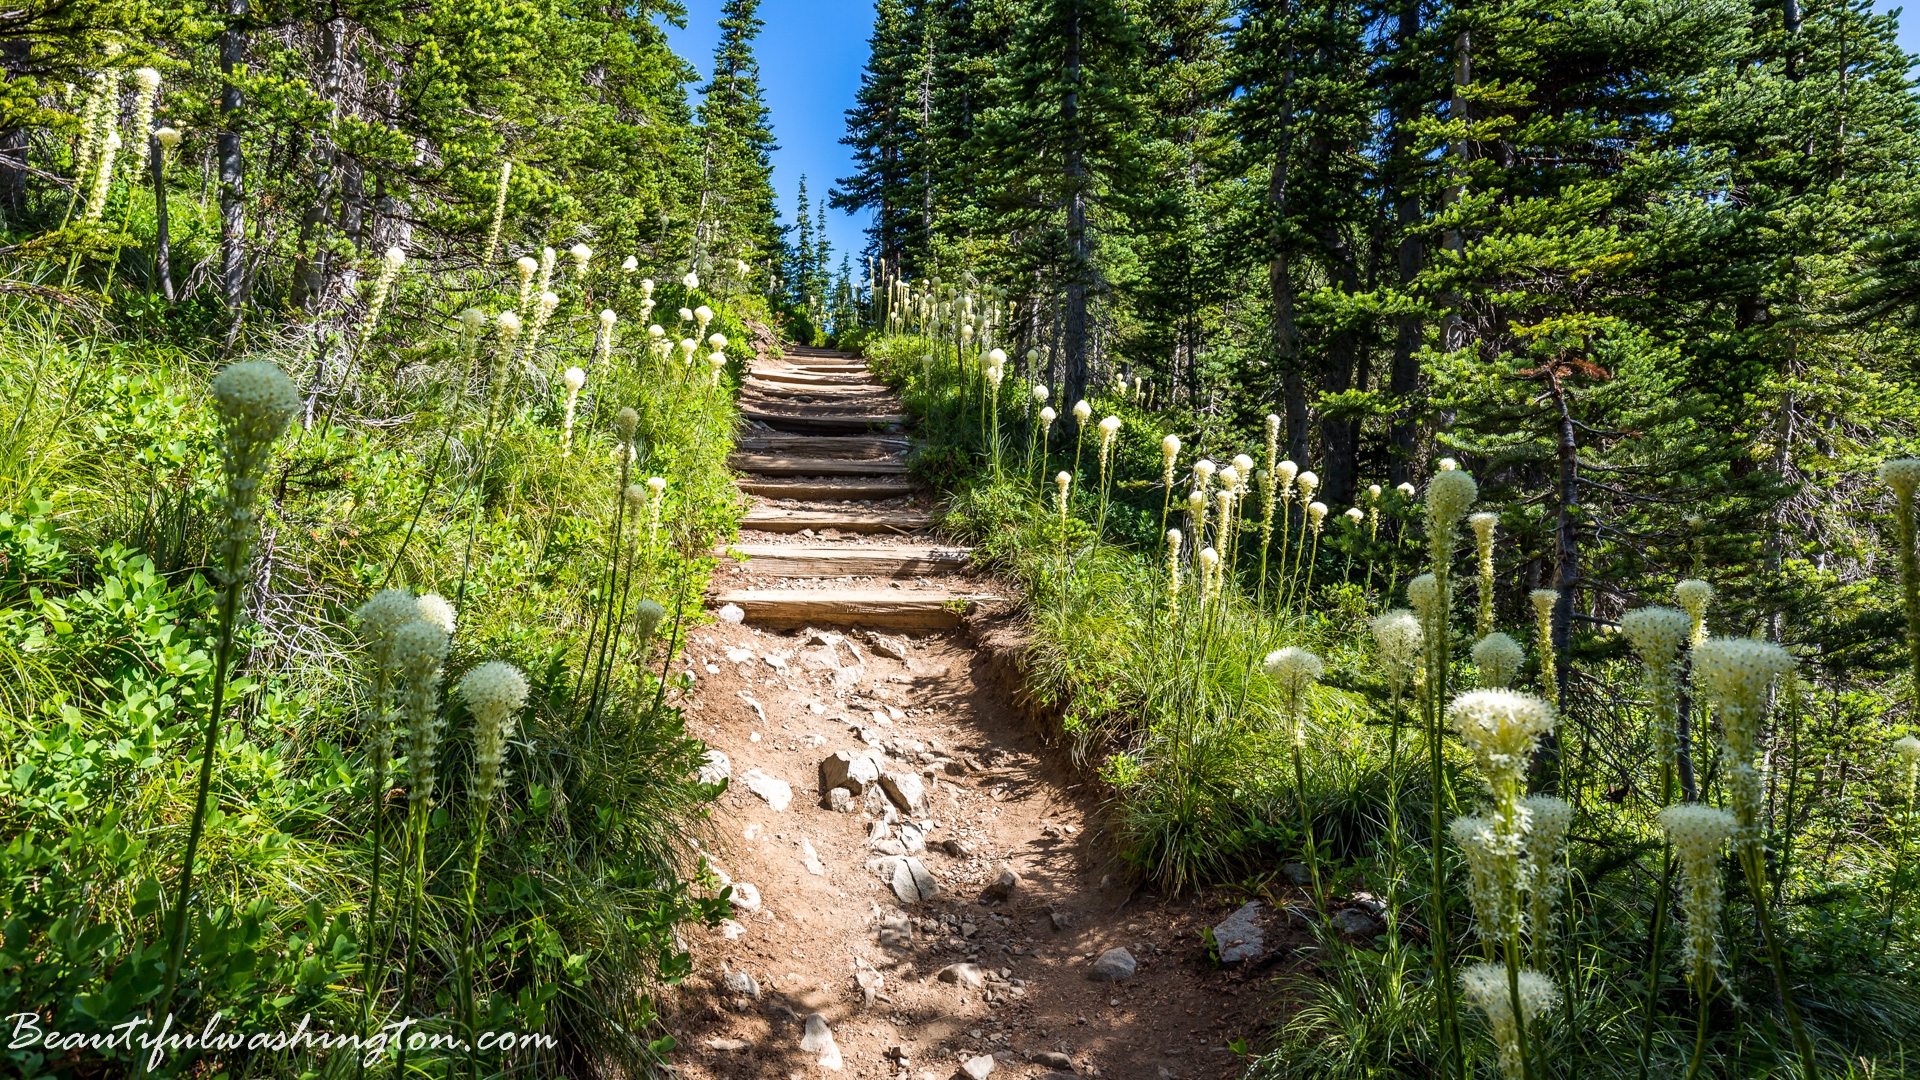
{"type": "Point", "coordinates": [1404, 375]}
{"type": "Point", "coordinates": [233, 165]}
{"type": "Point", "coordinates": [1547, 769]}
{"type": "Point", "coordinates": [162, 253]}
{"type": "Point", "coordinates": [1078, 248]}
{"type": "Point", "coordinates": [310, 268]}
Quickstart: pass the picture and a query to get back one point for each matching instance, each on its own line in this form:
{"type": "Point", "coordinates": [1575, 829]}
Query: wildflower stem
{"type": "Point", "coordinates": [1756, 884]}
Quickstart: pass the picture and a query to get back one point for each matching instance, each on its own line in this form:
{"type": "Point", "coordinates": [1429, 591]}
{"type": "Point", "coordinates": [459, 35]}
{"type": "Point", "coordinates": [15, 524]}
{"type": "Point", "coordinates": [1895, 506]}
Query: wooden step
{"type": "Point", "coordinates": [897, 609]}
{"type": "Point", "coordinates": [852, 446]}
{"type": "Point", "coordinates": [850, 424]}
{"type": "Point", "coordinates": [822, 404]}
{"type": "Point", "coordinates": [800, 378]}
{"type": "Point", "coordinates": [820, 489]}
{"type": "Point", "coordinates": [781, 465]}
{"type": "Point", "coordinates": [849, 560]}
{"type": "Point", "coordinates": [843, 520]}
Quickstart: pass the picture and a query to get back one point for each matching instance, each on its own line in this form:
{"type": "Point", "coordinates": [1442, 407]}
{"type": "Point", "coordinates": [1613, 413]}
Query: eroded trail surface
{"type": "Point", "coordinates": [919, 891]}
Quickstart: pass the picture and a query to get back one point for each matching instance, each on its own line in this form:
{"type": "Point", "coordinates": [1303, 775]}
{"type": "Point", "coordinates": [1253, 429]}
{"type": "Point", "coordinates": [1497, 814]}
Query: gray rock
{"type": "Point", "coordinates": [889, 846]}
{"type": "Point", "coordinates": [896, 932]}
{"type": "Point", "coordinates": [820, 658]}
{"type": "Point", "coordinates": [778, 793]}
{"type": "Point", "coordinates": [1240, 937]}
{"type": "Point", "coordinates": [746, 897]}
{"type": "Point", "coordinates": [1356, 921]}
{"type": "Point", "coordinates": [1298, 872]}
{"type": "Point", "coordinates": [909, 878]}
{"type": "Point", "coordinates": [823, 637]}
{"type": "Point", "coordinates": [732, 613]}
{"type": "Point", "coordinates": [1062, 920]}
{"type": "Point", "coordinates": [741, 983]}
{"type": "Point", "coordinates": [889, 646]}
{"type": "Point", "coordinates": [906, 790]}
{"type": "Point", "coordinates": [1053, 1060]}
{"type": "Point", "coordinates": [1114, 965]}
{"type": "Point", "coordinates": [838, 800]}
{"type": "Point", "coordinates": [978, 1068]}
{"type": "Point", "coordinates": [912, 838]}
{"type": "Point", "coordinates": [954, 848]}
{"type": "Point", "coordinates": [715, 769]}
{"type": "Point", "coordinates": [963, 975]}
{"type": "Point", "coordinates": [811, 858]}
{"type": "Point", "coordinates": [729, 1045]}
{"type": "Point", "coordinates": [848, 677]}
{"type": "Point", "coordinates": [854, 772]}
{"type": "Point", "coordinates": [1004, 885]}
{"type": "Point", "coordinates": [818, 1039]}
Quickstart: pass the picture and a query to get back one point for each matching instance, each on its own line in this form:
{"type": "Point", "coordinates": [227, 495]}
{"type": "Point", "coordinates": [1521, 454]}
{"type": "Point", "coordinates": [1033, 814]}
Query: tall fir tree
{"type": "Point", "coordinates": [737, 216]}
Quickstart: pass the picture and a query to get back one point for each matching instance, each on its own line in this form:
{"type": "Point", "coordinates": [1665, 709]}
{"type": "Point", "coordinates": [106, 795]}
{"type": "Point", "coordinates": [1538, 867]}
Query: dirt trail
{"type": "Point", "coordinates": [853, 641]}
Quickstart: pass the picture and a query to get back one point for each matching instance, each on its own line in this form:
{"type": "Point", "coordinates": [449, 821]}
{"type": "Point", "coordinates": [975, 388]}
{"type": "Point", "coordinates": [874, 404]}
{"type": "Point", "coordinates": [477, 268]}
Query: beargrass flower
{"type": "Point", "coordinates": [1486, 986]}
{"type": "Point", "coordinates": [686, 315]}
{"type": "Point", "coordinates": [103, 178]}
{"type": "Point", "coordinates": [1355, 515]}
{"type": "Point", "coordinates": [1543, 601]}
{"type": "Point", "coordinates": [1405, 488]}
{"type": "Point", "coordinates": [1501, 728]}
{"type": "Point", "coordinates": [1698, 832]}
{"type": "Point", "coordinates": [1549, 820]}
{"type": "Point", "coordinates": [1494, 871]}
{"type": "Point", "coordinates": [1400, 645]}
{"type": "Point", "coordinates": [1316, 515]}
{"type": "Point", "coordinates": [1499, 658]}
{"type": "Point", "coordinates": [495, 692]}
{"type": "Point", "coordinates": [575, 379]}
{"type": "Point", "coordinates": [1048, 416]}
{"type": "Point", "coordinates": [625, 422]}
{"type": "Point", "coordinates": [1293, 670]}
{"type": "Point", "coordinates": [1081, 412]}
{"type": "Point", "coordinates": [1447, 464]}
{"type": "Point", "coordinates": [1483, 525]}
{"type": "Point", "coordinates": [629, 264]}
{"type": "Point", "coordinates": [1173, 566]}
{"type": "Point", "coordinates": [581, 253]}
{"type": "Point", "coordinates": [499, 211]}
{"type": "Point", "coordinates": [1039, 393]}
{"type": "Point", "coordinates": [717, 341]}
{"type": "Point", "coordinates": [1063, 480]}
{"type": "Point", "coordinates": [1736, 673]}
{"type": "Point", "coordinates": [691, 281]}
{"type": "Point", "coordinates": [256, 402]}
{"type": "Point", "coordinates": [419, 648]}
{"type": "Point", "coordinates": [1693, 596]}
{"type": "Point", "coordinates": [167, 137]}
{"type": "Point", "coordinates": [525, 267]}
{"type": "Point", "coordinates": [438, 610]}
{"type": "Point", "coordinates": [390, 265]}
{"type": "Point", "coordinates": [148, 82]}
{"type": "Point", "coordinates": [1423, 592]}
{"type": "Point", "coordinates": [1306, 482]}
{"type": "Point", "coordinates": [1657, 634]}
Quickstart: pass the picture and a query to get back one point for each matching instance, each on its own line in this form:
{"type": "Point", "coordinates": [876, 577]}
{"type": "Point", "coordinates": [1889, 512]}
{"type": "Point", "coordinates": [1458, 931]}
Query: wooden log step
{"type": "Point", "coordinates": [850, 424]}
{"type": "Point", "coordinates": [843, 520]}
{"type": "Point", "coordinates": [852, 446]}
{"type": "Point", "coordinates": [820, 489]}
{"type": "Point", "coordinates": [843, 560]}
{"type": "Point", "coordinates": [896, 609]}
{"type": "Point", "coordinates": [800, 378]}
{"type": "Point", "coordinates": [836, 404]}
{"type": "Point", "coordinates": [780, 465]}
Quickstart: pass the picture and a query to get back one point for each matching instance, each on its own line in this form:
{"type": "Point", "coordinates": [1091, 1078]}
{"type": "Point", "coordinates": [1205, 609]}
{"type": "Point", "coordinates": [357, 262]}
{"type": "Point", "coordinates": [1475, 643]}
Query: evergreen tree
{"type": "Point", "coordinates": [737, 216]}
{"type": "Point", "coordinates": [802, 269]}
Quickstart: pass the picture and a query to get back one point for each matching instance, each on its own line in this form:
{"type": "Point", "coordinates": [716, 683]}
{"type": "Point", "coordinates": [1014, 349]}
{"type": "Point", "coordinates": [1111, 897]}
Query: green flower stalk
{"type": "Point", "coordinates": [1483, 525]}
{"type": "Point", "coordinates": [499, 214]}
{"type": "Point", "coordinates": [1173, 568]}
{"type": "Point", "coordinates": [1047, 417]}
{"type": "Point", "coordinates": [646, 619]}
{"type": "Point", "coordinates": [1109, 430]}
{"type": "Point", "coordinates": [1224, 503]}
{"type": "Point", "coordinates": [97, 117]}
{"type": "Point", "coordinates": [1693, 596]}
{"type": "Point", "coordinates": [1169, 454]}
{"type": "Point", "coordinates": [1907, 750]}
{"type": "Point", "coordinates": [1549, 820]}
{"type": "Point", "coordinates": [543, 310]}
{"type": "Point", "coordinates": [1499, 658]}
{"type": "Point", "coordinates": [1209, 575]}
{"type": "Point", "coordinates": [1294, 671]}
{"type": "Point", "coordinates": [603, 351]}
{"type": "Point", "coordinates": [495, 692]}
{"type": "Point", "coordinates": [1316, 522]}
{"type": "Point", "coordinates": [102, 178]}
{"type": "Point", "coordinates": [576, 380]}
{"type": "Point", "coordinates": [1696, 833]}
{"type": "Point", "coordinates": [148, 82]}
{"type": "Point", "coordinates": [1399, 646]}
{"type": "Point", "coordinates": [525, 267]}
{"type": "Point", "coordinates": [1197, 520]}
{"type": "Point", "coordinates": [1304, 484]}
{"type": "Point", "coordinates": [1543, 601]}
{"type": "Point", "coordinates": [1494, 869]}
{"type": "Point", "coordinates": [1082, 412]}
{"type": "Point", "coordinates": [1737, 673]}
{"type": "Point", "coordinates": [1062, 481]}
{"type": "Point", "coordinates": [380, 618]}
{"type": "Point", "coordinates": [1489, 987]}
{"type": "Point", "coordinates": [1283, 474]}
{"type": "Point", "coordinates": [1903, 475]}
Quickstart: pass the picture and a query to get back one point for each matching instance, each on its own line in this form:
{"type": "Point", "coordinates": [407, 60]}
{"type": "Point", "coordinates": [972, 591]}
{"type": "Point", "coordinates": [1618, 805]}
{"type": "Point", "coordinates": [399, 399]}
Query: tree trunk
{"type": "Point", "coordinates": [1547, 769]}
{"type": "Point", "coordinates": [1078, 249]}
{"type": "Point", "coordinates": [1404, 376]}
{"type": "Point", "coordinates": [233, 175]}
{"type": "Point", "coordinates": [162, 253]}
{"type": "Point", "coordinates": [310, 267]}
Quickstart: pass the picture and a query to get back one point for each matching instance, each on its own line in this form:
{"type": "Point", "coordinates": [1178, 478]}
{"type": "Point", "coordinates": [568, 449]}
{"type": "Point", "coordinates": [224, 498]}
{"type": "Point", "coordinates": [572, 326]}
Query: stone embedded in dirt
{"type": "Point", "coordinates": [1355, 921]}
{"type": "Point", "coordinates": [820, 658]}
{"type": "Point", "coordinates": [889, 646]}
{"type": "Point", "coordinates": [746, 897]}
{"type": "Point", "coordinates": [854, 772]}
{"type": "Point", "coordinates": [912, 838]}
{"type": "Point", "coordinates": [778, 793]}
{"type": "Point", "coordinates": [1113, 966]}
{"type": "Point", "coordinates": [729, 1045]}
{"type": "Point", "coordinates": [1057, 1076]}
{"type": "Point", "coordinates": [838, 800]}
{"type": "Point", "coordinates": [741, 983]}
{"type": "Point", "coordinates": [1062, 920]}
{"type": "Point", "coordinates": [1053, 1060]}
{"type": "Point", "coordinates": [909, 877]}
{"type": "Point", "coordinates": [953, 768]}
{"type": "Point", "coordinates": [906, 790]}
{"type": "Point", "coordinates": [818, 1039]}
{"type": "Point", "coordinates": [955, 848]}
{"type": "Point", "coordinates": [811, 858]}
{"type": "Point", "coordinates": [1298, 873]}
{"type": "Point", "coordinates": [715, 769]}
{"type": "Point", "coordinates": [1004, 885]}
{"type": "Point", "coordinates": [963, 975]}
{"type": "Point", "coordinates": [1240, 936]}
{"type": "Point", "coordinates": [729, 929]}
{"type": "Point", "coordinates": [848, 677]}
{"type": "Point", "coordinates": [896, 932]}
{"type": "Point", "coordinates": [866, 977]}
{"type": "Point", "coordinates": [889, 846]}
{"type": "Point", "coordinates": [978, 1068]}
{"type": "Point", "coordinates": [739, 656]}
{"type": "Point", "coordinates": [823, 637]}
{"type": "Point", "coordinates": [776, 662]}
{"type": "Point", "coordinates": [732, 613]}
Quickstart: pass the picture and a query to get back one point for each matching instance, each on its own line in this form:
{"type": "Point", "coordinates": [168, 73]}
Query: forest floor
{"type": "Point", "coordinates": [893, 922]}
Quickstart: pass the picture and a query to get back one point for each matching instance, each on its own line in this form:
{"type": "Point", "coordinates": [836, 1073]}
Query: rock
{"type": "Point", "coordinates": [978, 1068]}
{"type": "Point", "coordinates": [909, 877]}
{"type": "Point", "coordinates": [1298, 873]}
{"type": "Point", "coordinates": [729, 929]}
{"type": "Point", "coordinates": [820, 658]}
{"type": "Point", "coordinates": [823, 637]}
{"type": "Point", "coordinates": [729, 1045]}
{"type": "Point", "coordinates": [955, 848]}
{"type": "Point", "coordinates": [848, 677]}
{"type": "Point", "coordinates": [732, 613]}
{"type": "Point", "coordinates": [1053, 1060]}
{"type": "Point", "coordinates": [906, 790]}
{"type": "Point", "coordinates": [1004, 885]}
{"type": "Point", "coordinates": [776, 662]}
{"type": "Point", "coordinates": [741, 983]}
{"type": "Point", "coordinates": [1114, 965]}
{"type": "Point", "coordinates": [1240, 936]}
{"type": "Point", "coordinates": [1057, 1076]}
{"type": "Point", "coordinates": [912, 838]}
{"type": "Point", "coordinates": [1355, 921]}
{"type": "Point", "coordinates": [838, 800]}
{"type": "Point", "coordinates": [896, 932]}
{"type": "Point", "coordinates": [818, 1039]}
{"type": "Point", "coordinates": [895, 648]}
{"type": "Point", "coordinates": [811, 858]}
{"type": "Point", "coordinates": [1372, 904]}
{"type": "Point", "coordinates": [715, 769]}
{"type": "Point", "coordinates": [778, 793]}
{"type": "Point", "coordinates": [854, 772]}
{"type": "Point", "coordinates": [963, 975]}
{"type": "Point", "coordinates": [866, 978]}
{"type": "Point", "coordinates": [1062, 920]}
{"type": "Point", "coordinates": [739, 656]}
{"type": "Point", "coordinates": [746, 897]}
{"type": "Point", "coordinates": [889, 846]}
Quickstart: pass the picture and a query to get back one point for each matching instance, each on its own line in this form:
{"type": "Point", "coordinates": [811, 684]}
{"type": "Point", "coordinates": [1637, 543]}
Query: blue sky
{"type": "Point", "coordinates": [811, 53]}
